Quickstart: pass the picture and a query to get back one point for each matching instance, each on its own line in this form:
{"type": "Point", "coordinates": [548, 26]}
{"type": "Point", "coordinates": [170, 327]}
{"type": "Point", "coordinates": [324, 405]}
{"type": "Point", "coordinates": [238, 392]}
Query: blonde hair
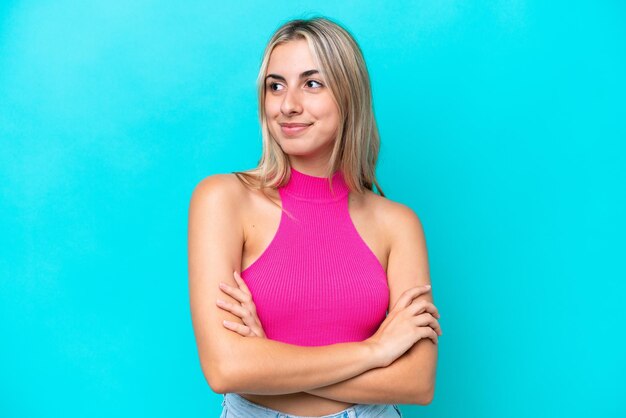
{"type": "Point", "coordinates": [340, 61]}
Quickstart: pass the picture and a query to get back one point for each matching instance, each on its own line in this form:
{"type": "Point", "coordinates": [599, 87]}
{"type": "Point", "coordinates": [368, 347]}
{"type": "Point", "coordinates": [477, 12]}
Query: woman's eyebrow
{"type": "Point", "coordinates": [303, 75]}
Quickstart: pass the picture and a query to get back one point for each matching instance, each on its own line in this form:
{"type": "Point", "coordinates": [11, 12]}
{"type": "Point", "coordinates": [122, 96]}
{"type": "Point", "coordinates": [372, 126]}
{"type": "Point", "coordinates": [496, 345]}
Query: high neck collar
{"type": "Point", "coordinates": [306, 187]}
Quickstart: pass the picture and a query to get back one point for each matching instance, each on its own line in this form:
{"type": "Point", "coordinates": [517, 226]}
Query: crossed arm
{"type": "Point", "coordinates": [214, 250]}
{"type": "Point", "coordinates": [408, 380]}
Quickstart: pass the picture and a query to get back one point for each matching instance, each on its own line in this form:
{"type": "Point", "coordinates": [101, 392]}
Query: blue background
{"type": "Point", "coordinates": [502, 125]}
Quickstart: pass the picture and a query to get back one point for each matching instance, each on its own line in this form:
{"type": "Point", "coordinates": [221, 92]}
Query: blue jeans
{"type": "Point", "coordinates": [235, 406]}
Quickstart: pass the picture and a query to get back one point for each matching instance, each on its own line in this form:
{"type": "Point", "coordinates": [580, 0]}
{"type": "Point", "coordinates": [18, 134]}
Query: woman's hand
{"type": "Point", "coordinates": [245, 309]}
{"type": "Point", "coordinates": [409, 321]}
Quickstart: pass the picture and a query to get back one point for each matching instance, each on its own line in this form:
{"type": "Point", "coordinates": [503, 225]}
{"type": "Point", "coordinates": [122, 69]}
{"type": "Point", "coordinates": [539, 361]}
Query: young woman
{"type": "Point", "coordinates": [332, 313]}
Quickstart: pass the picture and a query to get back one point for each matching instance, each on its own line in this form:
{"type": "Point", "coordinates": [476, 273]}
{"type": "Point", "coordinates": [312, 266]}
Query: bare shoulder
{"type": "Point", "coordinates": [218, 195]}
{"type": "Point", "coordinates": [219, 186]}
{"type": "Point", "coordinates": [228, 188]}
{"type": "Point", "coordinates": [397, 218]}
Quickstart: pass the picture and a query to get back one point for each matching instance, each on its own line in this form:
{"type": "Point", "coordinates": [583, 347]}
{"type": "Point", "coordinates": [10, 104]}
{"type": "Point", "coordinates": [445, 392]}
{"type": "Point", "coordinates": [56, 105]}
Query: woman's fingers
{"type": "Point", "coordinates": [257, 330]}
{"type": "Point", "coordinates": [424, 306]}
{"type": "Point", "coordinates": [407, 297]}
{"type": "Point", "coordinates": [233, 308]}
{"type": "Point", "coordinates": [235, 292]}
{"type": "Point", "coordinates": [238, 328]}
{"type": "Point", "coordinates": [428, 332]}
{"type": "Point", "coordinates": [241, 283]}
{"type": "Point", "coordinates": [245, 309]}
{"type": "Point", "coordinates": [427, 320]}
{"type": "Point", "coordinates": [251, 328]}
{"type": "Point", "coordinates": [248, 302]}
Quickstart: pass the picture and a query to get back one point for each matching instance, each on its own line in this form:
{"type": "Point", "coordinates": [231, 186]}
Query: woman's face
{"type": "Point", "coordinates": [301, 113]}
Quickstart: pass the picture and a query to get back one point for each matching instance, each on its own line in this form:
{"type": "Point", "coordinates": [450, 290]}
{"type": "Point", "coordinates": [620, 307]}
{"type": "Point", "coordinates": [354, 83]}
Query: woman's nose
{"type": "Point", "coordinates": [291, 103]}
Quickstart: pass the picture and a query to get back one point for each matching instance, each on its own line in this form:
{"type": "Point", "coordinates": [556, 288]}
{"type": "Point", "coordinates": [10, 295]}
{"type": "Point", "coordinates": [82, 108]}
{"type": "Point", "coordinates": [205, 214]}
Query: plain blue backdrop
{"type": "Point", "coordinates": [502, 126]}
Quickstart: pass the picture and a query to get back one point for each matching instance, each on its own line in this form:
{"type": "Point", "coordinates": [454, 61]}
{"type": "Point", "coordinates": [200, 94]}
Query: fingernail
{"type": "Point", "coordinates": [427, 286]}
{"type": "Point", "coordinates": [223, 285]}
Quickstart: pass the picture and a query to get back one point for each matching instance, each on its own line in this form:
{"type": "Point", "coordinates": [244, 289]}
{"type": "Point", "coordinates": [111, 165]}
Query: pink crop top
{"type": "Point", "coordinates": [317, 282]}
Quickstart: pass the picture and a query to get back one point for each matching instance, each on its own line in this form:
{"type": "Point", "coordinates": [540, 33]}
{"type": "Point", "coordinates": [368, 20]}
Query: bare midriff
{"type": "Point", "coordinates": [301, 403]}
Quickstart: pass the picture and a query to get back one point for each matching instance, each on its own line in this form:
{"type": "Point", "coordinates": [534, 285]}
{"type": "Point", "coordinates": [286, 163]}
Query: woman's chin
{"type": "Point", "coordinates": [296, 151]}
{"type": "Point", "coordinates": [302, 145]}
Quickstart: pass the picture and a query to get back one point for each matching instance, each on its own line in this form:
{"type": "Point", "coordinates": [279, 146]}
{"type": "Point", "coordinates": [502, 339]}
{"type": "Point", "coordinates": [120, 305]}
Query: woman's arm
{"type": "Point", "coordinates": [391, 384]}
{"type": "Point", "coordinates": [230, 362]}
{"type": "Point", "coordinates": [411, 378]}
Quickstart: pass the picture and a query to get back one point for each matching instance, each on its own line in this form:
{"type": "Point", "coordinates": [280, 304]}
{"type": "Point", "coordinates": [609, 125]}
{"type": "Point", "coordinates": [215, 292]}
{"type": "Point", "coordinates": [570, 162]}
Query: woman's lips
{"type": "Point", "coordinates": [293, 130]}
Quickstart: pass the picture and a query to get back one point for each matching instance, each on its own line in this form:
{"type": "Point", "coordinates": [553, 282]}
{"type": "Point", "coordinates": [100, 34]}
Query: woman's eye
{"type": "Point", "coordinates": [316, 82]}
{"type": "Point", "coordinates": [272, 85]}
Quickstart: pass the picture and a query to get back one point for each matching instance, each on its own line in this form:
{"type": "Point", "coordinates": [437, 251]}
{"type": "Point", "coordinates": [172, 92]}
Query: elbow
{"type": "Point", "coordinates": [423, 395]}
{"type": "Point", "coordinates": [216, 377]}
{"type": "Point", "coordinates": [427, 396]}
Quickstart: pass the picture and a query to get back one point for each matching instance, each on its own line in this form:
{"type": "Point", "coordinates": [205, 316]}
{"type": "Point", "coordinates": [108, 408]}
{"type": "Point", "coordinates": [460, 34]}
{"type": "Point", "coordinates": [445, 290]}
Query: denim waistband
{"type": "Point", "coordinates": [239, 406]}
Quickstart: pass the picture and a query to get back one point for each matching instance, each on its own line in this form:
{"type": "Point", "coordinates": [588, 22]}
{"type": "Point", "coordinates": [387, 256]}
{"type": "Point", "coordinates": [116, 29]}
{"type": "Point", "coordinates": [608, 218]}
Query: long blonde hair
{"type": "Point", "coordinates": [340, 61]}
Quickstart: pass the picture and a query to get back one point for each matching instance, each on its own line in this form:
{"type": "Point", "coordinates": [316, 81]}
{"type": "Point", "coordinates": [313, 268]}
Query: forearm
{"type": "Point", "coordinates": [408, 380]}
{"type": "Point", "coordinates": [267, 367]}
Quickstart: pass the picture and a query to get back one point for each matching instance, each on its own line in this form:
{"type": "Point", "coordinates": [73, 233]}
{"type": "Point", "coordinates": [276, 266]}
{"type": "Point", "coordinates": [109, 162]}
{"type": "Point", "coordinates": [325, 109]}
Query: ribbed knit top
{"type": "Point", "coordinates": [317, 282]}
